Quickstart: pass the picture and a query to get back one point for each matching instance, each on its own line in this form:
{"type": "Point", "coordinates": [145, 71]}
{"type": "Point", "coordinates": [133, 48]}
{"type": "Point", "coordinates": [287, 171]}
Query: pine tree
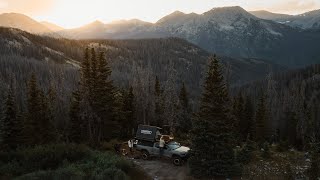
{"type": "Point", "coordinates": [47, 131]}
{"type": "Point", "coordinates": [76, 127]}
{"type": "Point", "coordinates": [241, 116]}
{"type": "Point", "coordinates": [261, 120]}
{"type": "Point", "coordinates": [85, 96]}
{"type": "Point", "coordinates": [240, 123]}
{"type": "Point", "coordinates": [184, 117]}
{"type": "Point", "coordinates": [52, 101]}
{"type": "Point", "coordinates": [158, 103]}
{"type": "Point", "coordinates": [248, 113]}
{"type": "Point", "coordinates": [105, 99]}
{"type": "Point", "coordinates": [183, 97]}
{"type": "Point", "coordinates": [31, 125]}
{"type": "Point", "coordinates": [94, 81]}
{"type": "Point", "coordinates": [212, 129]}
{"type": "Point", "coordinates": [85, 70]}
{"type": "Point", "coordinates": [12, 125]}
{"type": "Point", "coordinates": [38, 126]}
{"type": "Point", "coordinates": [129, 110]}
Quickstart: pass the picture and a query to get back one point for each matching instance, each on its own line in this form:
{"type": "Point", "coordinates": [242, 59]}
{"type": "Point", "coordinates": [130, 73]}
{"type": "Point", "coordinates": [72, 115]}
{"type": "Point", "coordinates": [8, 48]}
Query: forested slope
{"type": "Point", "coordinates": [292, 103]}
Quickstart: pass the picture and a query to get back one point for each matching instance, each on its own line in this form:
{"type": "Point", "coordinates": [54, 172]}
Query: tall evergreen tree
{"type": "Point", "coordinates": [85, 96]}
{"type": "Point", "coordinates": [212, 129]}
{"type": "Point", "coordinates": [47, 130]}
{"type": "Point", "coordinates": [85, 71]}
{"type": "Point", "coordinates": [261, 120]}
{"type": "Point", "coordinates": [76, 128]}
{"type": "Point", "coordinates": [129, 110]}
{"type": "Point", "coordinates": [249, 113]}
{"type": "Point", "coordinates": [11, 123]}
{"type": "Point", "coordinates": [158, 103]}
{"type": "Point", "coordinates": [183, 97]}
{"type": "Point", "coordinates": [105, 99]}
{"type": "Point", "coordinates": [52, 102]}
{"type": "Point", "coordinates": [31, 125]}
{"type": "Point", "coordinates": [241, 117]}
{"type": "Point", "coordinates": [38, 126]}
{"type": "Point", "coordinates": [184, 117]}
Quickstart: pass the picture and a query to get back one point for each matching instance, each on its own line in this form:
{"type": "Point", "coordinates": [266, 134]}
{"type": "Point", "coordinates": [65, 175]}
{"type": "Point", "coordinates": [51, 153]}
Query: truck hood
{"type": "Point", "coordinates": [182, 149]}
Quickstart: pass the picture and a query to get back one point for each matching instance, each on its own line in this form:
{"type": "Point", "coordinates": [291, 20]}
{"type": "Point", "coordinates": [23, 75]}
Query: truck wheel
{"type": "Point", "coordinates": [177, 161]}
{"type": "Point", "coordinates": [145, 154]}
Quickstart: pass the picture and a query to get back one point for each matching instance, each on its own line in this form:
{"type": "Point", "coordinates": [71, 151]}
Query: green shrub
{"type": "Point", "coordinates": [63, 161]}
{"type": "Point", "coordinates": [38, 158]}
{"type": "Point", "coordinates": [111, 173]}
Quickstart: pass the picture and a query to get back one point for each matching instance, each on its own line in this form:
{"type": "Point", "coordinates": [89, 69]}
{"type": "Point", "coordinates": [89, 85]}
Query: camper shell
{"type": "Point", "coordinates": [148, 133]}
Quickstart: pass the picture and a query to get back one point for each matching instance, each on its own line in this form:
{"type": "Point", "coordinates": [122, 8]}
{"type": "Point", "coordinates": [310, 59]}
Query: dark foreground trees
{"type": "Point", "coordinates": [95, 101]}
{"type": "Point", "coordinates": [11, 128]}
{"type": "Point", "coordinates": [212, 137]}
{"type": "Point", "coordinates": [38, 126]}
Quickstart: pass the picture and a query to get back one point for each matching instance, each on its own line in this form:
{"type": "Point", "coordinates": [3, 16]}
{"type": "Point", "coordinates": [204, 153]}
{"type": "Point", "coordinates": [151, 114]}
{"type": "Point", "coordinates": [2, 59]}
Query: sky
{"type": "Point", "coordinates": [74, 13]}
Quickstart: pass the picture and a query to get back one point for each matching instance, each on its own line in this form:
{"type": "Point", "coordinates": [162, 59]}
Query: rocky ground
{"type": "Point", "coordinates": [288, 165]}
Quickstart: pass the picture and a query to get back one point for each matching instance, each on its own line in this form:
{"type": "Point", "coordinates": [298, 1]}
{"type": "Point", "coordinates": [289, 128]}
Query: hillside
{"type": "Point", "coordinates": [23, 22]}
{"type": "Point", "coordinates": [51, 26]}
{"type": "Point", "coordinates": [293, 92]}
{"type": "Point", "coordinates": [126, 53]}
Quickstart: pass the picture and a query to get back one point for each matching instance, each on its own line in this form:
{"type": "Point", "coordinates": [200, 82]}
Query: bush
{"type": "Point", "coordinates": [44, 157]}
{"type": "Point", "coordinates": [112, 173]}
{"type": "Point", "coordinates": [63, 161]}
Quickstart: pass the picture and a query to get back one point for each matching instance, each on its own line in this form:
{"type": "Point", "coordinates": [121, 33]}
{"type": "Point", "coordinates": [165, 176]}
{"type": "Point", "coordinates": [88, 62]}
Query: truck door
{"type": "Point", "coordinates": [156, 149]}
{"type": "Point", "coordinates": [167, 151]}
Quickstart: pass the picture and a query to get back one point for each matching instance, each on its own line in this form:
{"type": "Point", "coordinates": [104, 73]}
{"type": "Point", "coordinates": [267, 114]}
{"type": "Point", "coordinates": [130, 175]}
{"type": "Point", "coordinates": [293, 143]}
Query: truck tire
{"type": "Point", "coordinates": [176, 160]}
{"type": "Point", "coordinates": [145, 155]}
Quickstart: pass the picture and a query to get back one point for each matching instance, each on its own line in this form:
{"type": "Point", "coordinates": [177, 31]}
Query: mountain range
{"type": "Point", "coordinates": [228, 31]}
{"type": "Point", "coordinates": [308, 20]}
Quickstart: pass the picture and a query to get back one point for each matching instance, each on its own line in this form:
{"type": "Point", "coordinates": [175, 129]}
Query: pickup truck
{"type": "Point", "coordinates": [172, 150]}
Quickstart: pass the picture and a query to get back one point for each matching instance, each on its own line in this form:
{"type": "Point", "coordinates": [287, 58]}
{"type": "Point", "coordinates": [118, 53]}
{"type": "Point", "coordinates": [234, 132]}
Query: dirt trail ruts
{"type": "Point", "coordinates": [163, 169]}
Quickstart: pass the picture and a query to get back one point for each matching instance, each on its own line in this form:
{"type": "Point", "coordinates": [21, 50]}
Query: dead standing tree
{"type": "Point", "coordinates": [171, 98]}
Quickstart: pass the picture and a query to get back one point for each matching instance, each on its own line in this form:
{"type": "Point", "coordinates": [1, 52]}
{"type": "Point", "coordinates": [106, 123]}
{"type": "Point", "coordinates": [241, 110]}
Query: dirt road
{"type": "Point", "coordinates": [163, 170]}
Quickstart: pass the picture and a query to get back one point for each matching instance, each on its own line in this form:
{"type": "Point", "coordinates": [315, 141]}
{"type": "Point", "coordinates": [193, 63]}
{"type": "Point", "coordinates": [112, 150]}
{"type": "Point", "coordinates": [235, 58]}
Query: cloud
{"type": "Point", "coordinates": [32, 7]}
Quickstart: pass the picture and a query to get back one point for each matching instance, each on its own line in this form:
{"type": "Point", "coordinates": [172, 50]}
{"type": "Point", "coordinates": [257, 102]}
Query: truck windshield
{"type": "Point", "coordinates": [174, 145]}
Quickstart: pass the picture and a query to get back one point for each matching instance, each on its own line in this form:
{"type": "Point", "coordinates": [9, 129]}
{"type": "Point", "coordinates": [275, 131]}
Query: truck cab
{"type": "Point", "coordinates": [148, 145]}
